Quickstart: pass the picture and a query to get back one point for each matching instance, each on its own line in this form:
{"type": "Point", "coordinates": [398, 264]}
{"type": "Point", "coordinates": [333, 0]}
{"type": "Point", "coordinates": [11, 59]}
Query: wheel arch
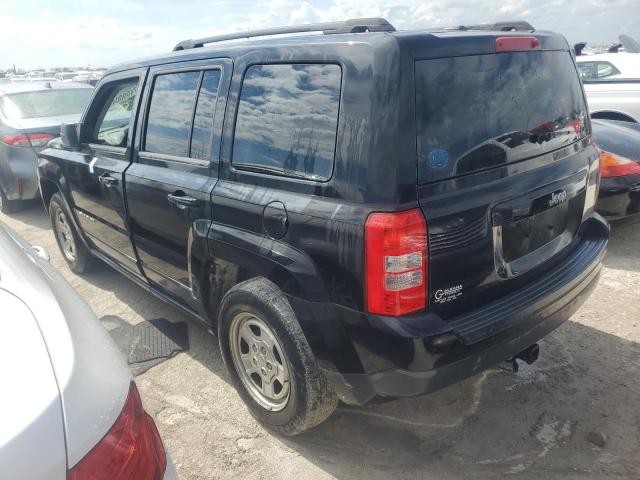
{"type": "Point", "coordinates": [234, 256]}
{"type": "Point", "coordinates": [613, 115]}
{"type": "Point", "coordinates": [51, 179]}
{"type": "Point", "coordinates": [47, 189]}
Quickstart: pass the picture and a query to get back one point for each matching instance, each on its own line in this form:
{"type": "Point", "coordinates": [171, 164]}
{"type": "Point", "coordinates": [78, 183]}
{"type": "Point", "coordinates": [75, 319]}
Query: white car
{"type": "Point", "coordinates": [69, 408]}
{"type": "Point", "coordinates": [602, 66]}
{"type": "Point", "coordinates": [612, 84]}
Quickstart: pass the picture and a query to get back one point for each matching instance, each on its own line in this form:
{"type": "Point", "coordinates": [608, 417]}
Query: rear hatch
{"type": "Point", "coordinates": [504, 151]}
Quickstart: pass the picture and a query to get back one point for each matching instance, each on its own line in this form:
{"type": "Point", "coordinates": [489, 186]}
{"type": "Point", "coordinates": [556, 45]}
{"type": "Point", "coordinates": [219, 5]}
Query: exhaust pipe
{"type": "Point", "coordinates": [528, 355]}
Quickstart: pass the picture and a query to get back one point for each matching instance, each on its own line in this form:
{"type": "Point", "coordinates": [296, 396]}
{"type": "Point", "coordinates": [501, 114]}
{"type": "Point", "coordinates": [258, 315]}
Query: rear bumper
{"type": "Point", "coordinates": [426, 354]}
{"type": "Point", "coordinates": [18, 172]}
{"type": "Point", "coordinates": [619, 197]}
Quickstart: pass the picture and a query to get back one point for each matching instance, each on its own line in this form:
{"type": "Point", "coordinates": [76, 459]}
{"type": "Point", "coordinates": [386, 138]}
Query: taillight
{"type": "Point", "coordinates": [516, 44]}
{"type": "Point", "coordinates": [27, 139]}
{"type": "Point", "coordinates": [396, 262]}
{"type": "Point", "coordinates": [613, 165]}
{"type": "Point", "coordinates": [131, 449]}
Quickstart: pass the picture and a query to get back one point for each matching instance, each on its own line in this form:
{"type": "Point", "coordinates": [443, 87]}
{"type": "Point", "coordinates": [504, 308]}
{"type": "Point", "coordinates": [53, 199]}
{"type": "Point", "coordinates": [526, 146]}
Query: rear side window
{"type": "Point", "coordinates": [112, 126]}
{"type": "Point", "coordinates": [596, 70]}
{"type": "Point", "coordinates": [478, 112]}
{"type": "Point", "coordinates": [287, 120]}
{"type": "Point", "coordinates": [173, 127]}
{"type": "Point", "coordinates": [202, 135]}
{"type": "Point", "coordinates": [170, 113]}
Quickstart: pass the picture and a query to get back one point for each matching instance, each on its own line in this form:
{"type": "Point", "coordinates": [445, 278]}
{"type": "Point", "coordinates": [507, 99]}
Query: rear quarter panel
{"type": "Point", "coordinates": [622, 98]}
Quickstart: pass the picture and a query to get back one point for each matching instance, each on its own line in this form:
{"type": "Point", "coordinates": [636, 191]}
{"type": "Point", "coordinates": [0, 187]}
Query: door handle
{"type": "Point", "coordinates": [180, 199]}
{"type": "Point", "coordinates": [107, 180]}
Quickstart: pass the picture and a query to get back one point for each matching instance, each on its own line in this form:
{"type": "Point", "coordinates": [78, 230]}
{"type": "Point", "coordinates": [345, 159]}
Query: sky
{"type": "Point", "coordinates": [100, 33]}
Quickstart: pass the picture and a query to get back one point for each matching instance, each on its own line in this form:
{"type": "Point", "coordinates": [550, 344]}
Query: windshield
{"type": "Point", "coordinates": [45, 103]}
{"type": "Point", "coordinates": [483, 111]}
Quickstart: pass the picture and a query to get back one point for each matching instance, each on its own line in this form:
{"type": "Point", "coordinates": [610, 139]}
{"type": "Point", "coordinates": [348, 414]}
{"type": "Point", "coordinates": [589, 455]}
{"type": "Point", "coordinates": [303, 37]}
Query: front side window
{"type": "Point", "coordinates": [113, 122]}
{"type": "Point", "coordinates": [596, 70]}
{"type": "Point", "coordinates": [287, 120]}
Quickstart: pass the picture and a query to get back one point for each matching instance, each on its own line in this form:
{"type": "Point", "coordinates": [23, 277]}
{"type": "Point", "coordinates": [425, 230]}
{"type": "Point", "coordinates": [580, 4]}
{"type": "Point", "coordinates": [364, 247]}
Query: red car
{"type": "Point", "coordinates": [619, 144]}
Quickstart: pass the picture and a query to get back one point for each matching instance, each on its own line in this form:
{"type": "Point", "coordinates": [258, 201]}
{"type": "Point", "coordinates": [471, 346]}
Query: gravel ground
{"type": "Point", "coordinates": [573, 414]}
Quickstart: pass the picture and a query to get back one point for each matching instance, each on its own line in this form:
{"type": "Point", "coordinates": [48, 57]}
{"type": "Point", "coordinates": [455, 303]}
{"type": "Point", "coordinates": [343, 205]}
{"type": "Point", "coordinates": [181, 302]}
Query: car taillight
{"type": "Point", "coordinates": [131, 449]}
{"type": "Point", "coordinates": [613, 165]}
{"type": "Point", "coordinates": [27, 139]}
{"type": "Point", "coordinates": [516, 44]}
{"type": "Point", "coordinates": [396, 262]}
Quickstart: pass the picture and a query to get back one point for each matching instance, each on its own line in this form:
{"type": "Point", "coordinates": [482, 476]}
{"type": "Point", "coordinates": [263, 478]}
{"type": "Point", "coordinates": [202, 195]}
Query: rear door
{"type": "Point", "coordinates": [175, 168]}
{"type": "Point", "coordinates": [504, 151]}
{"type": "Point", "coordinates": [95, 172]}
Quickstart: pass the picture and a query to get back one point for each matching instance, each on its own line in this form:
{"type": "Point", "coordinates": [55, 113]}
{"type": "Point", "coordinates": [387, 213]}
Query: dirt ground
{"type": "Point", "coordinates": [573, 414]}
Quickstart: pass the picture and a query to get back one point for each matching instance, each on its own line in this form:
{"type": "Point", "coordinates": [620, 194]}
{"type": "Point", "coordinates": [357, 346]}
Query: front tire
{"type": "Point", "coordinates": [270, 361]}
{"type": "Point", "coordinates": [73, 250]}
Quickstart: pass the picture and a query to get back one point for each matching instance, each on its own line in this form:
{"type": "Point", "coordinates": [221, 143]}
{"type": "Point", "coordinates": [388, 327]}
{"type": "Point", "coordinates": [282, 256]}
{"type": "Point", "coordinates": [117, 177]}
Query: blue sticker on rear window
{"type": "Point", "coordinates": [438, 158]}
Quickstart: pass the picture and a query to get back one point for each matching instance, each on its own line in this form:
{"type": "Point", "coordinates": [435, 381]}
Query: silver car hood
{"type": "Point", "coordinates": [92, 378]}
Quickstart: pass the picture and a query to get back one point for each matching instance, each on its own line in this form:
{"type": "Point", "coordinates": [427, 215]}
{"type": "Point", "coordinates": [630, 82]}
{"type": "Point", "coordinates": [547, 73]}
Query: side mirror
{"type": "Point", "coordinates": [69, 135]}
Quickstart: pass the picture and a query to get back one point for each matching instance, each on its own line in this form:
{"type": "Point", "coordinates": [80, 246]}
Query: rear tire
{"type": "Point", "coordinates": [73, 250]}
{"type": "Point", "coordinates": [8, 206]}
{"type": "Point", "coordinates": [304, 398]}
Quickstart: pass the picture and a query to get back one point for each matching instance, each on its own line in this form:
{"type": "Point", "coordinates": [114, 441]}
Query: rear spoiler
{"type": "Point", "coordinates": [515, 26]}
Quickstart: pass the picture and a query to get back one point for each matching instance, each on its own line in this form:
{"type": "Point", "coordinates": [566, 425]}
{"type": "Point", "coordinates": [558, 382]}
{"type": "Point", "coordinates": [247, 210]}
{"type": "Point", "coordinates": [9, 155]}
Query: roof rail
{"type": "Point", "coordinates": [516, 26]}
{"type": "Point", "coordinates": [354, 25]}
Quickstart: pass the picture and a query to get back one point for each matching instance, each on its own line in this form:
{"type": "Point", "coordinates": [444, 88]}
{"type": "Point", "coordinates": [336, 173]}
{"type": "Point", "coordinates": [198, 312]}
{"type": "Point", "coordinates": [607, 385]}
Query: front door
{"type": "Point", "coordinates": [95, 172]}
{"type": "Point", "coordinates": [174, 170]}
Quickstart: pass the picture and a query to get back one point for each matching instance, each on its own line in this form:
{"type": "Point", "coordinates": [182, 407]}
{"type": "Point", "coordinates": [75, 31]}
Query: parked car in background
{"type": "Point", "coordinates": [609, 65]}
{"type": "Point", "coordinates": [30, 116]}
{"type": "Point", "coordinates": [361, 214]}
{"type": "Point", "coordinates": [612, 84]}
{"type": "Point", "coordinates": [69, 409]}
{"type": "Point", "coordinates": [65, 76]}
{"type": "Point", "coordinates": [619, 143]}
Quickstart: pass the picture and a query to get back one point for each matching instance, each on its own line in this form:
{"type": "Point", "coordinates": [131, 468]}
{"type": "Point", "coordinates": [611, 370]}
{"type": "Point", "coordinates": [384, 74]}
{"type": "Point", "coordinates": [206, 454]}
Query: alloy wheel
{"type": "Point", "coordinates": [260, 362]}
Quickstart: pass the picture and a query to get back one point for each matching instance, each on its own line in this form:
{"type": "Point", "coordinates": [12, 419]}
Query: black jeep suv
{"type": "Point", "coordinates": [360, 213]}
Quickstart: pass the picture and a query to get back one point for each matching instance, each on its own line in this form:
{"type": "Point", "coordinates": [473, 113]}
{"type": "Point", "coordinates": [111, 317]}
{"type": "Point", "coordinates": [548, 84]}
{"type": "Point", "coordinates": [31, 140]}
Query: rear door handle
{"type": "Point", "coordinates": [107, 180]}
{"type": "Point", "coordinates": [182, 200]}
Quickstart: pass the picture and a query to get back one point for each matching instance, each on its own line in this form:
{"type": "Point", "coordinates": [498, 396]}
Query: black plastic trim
{"type": "Point", "coordinates": [504, 313]}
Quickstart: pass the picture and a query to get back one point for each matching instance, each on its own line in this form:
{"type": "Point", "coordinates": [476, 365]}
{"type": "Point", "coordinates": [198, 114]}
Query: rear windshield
{"type": "Point", "coordinates": [483, 111]}
{"type": "Point", "coordinates": [45, 103]}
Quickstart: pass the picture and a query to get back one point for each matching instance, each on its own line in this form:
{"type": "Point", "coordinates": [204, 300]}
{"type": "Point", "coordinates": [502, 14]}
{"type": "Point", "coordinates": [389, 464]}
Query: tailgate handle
{"type": "Point", "coordinates": [180, 199]}
{"type": "Point", "coordinates": [107, 180]}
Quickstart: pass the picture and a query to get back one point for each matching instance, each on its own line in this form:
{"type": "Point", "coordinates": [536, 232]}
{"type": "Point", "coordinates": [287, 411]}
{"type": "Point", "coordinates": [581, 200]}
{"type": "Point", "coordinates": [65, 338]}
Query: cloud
{"type": "Point", "coordinates": [104, 32]}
